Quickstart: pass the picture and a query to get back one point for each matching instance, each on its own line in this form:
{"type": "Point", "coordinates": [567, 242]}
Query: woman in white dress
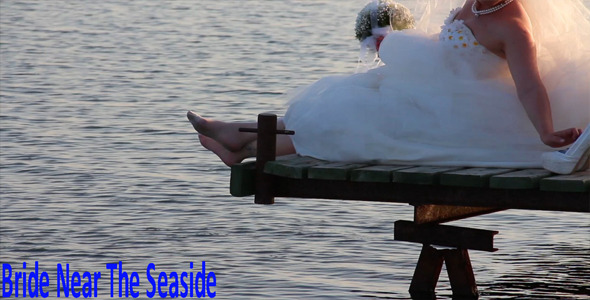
{"type": "Point", "coordinates": [503, 82]}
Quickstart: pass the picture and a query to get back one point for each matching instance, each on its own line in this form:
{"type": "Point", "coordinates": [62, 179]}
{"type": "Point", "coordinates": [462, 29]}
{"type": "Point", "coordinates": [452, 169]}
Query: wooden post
{"type": "Point", "coordinates": [457, 260]}
{"type": "Point", "coordinates": [461, 274]}
{"type": "Point", "coordinates": [266, 150]}
{"type": "Point", "coordinates": [266, 146]}
{"type": "Point", "coordinates": [426, 274]}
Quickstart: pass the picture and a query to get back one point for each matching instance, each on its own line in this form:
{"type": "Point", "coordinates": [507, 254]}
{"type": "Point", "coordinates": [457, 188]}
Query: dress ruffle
{"type": "Point", "coordinates": [432, 104]}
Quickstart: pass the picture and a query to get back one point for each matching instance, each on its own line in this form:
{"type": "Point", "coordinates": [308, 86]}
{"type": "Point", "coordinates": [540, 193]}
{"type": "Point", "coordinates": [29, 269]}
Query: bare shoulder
{"type": "Point", "coordinates": [508, 27]}
{"type": "Point", "coordinates": [511, 30]}
{"type": "Point", "coordinates": [513, 25]}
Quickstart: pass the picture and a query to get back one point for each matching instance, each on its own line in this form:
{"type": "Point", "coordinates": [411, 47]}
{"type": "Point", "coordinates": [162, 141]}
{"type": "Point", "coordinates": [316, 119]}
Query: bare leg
{"type": "Point", "coordinates": [226, 134]}
{"type": "Point", "coordinates": [284, 147]}
{"type": "Point", "coordinates": [229, 144]}
{"type": "Point", "coordinates": [228, 157]}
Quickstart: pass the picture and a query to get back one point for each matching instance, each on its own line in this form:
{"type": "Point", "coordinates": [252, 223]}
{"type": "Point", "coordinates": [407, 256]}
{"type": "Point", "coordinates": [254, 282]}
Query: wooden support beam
{"type": "Point", "coordinates": [460, 273]}
{"type": "Point", "coordinates": [445, 235]}
{"type": "Point", "coordinates": [426, 274]}
{"type": "Point", "coordinates": [434, 214]}
{"type": "Point", "coordinates": [417, 194]}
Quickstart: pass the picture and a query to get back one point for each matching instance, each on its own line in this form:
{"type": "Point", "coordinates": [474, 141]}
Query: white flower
{"type": "Point", "coordinates": [452, 16]}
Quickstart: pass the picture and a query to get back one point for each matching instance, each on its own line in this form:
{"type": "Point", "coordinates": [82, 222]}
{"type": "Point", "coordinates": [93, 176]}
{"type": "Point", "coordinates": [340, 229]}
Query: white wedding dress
{"type": "Point", "coordinates": [440, 100]}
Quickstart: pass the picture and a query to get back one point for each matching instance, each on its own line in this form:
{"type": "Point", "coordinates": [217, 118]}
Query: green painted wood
{"type": "Point", "coordinates": [243, 179]}
{"type": "Point", "coordinates": [333, 170]}
{"type": "Point", "coordinates": [378, 173]}
{"type": "Point", "coordinates": [292, 157]}
{"type": "Point", "coordinates": [519, 180]}
{"type": "Point", "coordinates": [577, 182]}
{"type": "Point", "coordinates": [295, 167]}
{"type": "Point", "coordinates": [421, 175]}
{"type": "Point", "coordinates": [472, 177]}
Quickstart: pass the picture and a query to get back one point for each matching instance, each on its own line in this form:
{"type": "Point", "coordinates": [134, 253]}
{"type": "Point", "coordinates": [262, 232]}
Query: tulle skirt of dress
{"type": "Point", "coordinates": [430, 105]}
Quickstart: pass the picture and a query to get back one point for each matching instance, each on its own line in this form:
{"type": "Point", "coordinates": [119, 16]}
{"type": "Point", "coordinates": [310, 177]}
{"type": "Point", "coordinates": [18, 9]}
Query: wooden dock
{"type": "Point", "coordinates": [438, 194]}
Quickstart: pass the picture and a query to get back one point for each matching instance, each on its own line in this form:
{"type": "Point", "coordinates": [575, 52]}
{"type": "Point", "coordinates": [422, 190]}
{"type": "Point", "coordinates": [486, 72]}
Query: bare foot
{"type": "Point", "coordinates": [226, 134]}
{"type": "Point", "coordinates": [228, 157]}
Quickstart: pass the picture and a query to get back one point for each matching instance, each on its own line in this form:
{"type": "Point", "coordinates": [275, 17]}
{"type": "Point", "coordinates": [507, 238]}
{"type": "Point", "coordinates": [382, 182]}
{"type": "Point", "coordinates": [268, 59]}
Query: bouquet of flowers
{"type": "Point", "coordinates": [380, 17]}
{"type": "Point", "coordinates": [376, 20]}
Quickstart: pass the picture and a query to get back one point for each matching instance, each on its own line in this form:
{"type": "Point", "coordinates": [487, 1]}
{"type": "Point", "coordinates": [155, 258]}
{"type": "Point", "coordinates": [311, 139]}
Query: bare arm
{"type": "Point", "coordinates": [519, 49]}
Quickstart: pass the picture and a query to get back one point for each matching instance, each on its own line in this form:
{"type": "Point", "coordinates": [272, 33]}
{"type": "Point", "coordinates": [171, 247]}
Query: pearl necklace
{"type": "Point", "coordinates": [489, 10]}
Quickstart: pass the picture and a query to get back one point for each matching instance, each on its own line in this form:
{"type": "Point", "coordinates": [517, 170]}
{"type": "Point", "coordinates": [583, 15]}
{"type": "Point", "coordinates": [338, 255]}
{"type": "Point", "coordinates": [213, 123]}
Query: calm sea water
{"type": "Point", "coordinates": [99, 165]}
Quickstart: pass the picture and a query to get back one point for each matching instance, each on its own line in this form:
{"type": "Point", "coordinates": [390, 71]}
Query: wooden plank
{"type": "Point", "coordinates": [429, 214]}
{"type": "Point", "coordinates": [296, 158]}
{"type": "Point", "coordinates": [577, 182]}
{"type": "Point", "coordinates": [421, 175]}
{"type": "Point", "coordinates": [445, 235]}
{"type": "Point", "coordinates": [522, 179]}
{"type": "Point", "coordinates": [243, 179]}
{"type": "Point", "coordinates": [295, 167]}
{"type": "Point", "coordinates": [472, 177]}
{"type": "Point", "coordinates": [426, 273]}
{"type": "Point", "coordinates": [333, 170]}
{"type": "Point", "coordinates": [378, 173]}
{"type": "Point", "coordinates": [289, 157]}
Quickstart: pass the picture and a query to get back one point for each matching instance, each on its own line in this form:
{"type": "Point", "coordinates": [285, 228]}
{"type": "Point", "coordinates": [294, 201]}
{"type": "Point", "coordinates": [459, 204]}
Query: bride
{"type": "Point", "coordinates": [500, 84]}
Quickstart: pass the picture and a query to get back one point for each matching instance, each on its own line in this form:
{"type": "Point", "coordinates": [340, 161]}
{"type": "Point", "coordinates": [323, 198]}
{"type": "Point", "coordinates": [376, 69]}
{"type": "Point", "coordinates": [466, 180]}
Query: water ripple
{"type": "Point", "coordinates": [99, 165]}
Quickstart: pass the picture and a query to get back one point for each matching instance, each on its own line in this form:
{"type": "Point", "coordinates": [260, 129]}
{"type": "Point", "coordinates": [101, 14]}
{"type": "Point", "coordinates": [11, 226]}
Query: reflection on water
{"type": "Point", "coordinates": [561, 273]}
{"type": "Point", "coordinates": [99, 165]}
